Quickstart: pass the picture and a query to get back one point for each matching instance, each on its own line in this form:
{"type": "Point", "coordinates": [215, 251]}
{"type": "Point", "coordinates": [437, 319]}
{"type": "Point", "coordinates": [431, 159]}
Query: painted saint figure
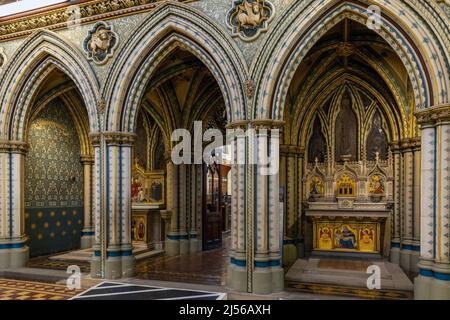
{"type": "Point", "coordinates": [346, 239]}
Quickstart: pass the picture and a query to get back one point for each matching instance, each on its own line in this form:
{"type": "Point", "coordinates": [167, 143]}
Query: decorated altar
{"type": "Point", "coordinates": [347, 207]}
{"type": "Point", "coordinates": [148, 199]}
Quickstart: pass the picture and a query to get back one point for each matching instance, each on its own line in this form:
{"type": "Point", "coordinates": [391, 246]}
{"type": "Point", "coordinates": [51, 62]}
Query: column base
{"type": "Point", "coordinates": [268, 280]}
{"type": "Point", "coordinates": [300, 250]}
{"type": "Point", "coordinates": [429, 288]}
{"type": "Point", "coordinates": [194, 246]}
{"type": "Point", "coordinates": [87, 241]}
{"type": "Point", "coordinates": [433, 281]}
{"type": "Point", "coordinates": [115, 267]}
{"type": "Point", "coordinates": [12, 258]}
{"type": "Point", "coordinates": [409, 260]}
{"type": "Point", "coordinates": [237, 278]}
{"type": "Point", "coordinates": [394, 256]}
{"type": "Point", "coordinates": [172, 247]}
{"type": "Point", "coordinates": [184, 247]}
{"type": "Point", "coordinates": [290, 254]}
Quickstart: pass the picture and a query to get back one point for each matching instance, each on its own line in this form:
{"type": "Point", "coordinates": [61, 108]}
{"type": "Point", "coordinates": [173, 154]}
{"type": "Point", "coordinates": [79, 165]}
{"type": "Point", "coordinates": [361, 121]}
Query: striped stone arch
{"type": "Point", "coordinates": [171, 26]}
{"type": "Point", "coordinates": [422, 45]}
{"type": "Point", "coordinates": [40, 54]}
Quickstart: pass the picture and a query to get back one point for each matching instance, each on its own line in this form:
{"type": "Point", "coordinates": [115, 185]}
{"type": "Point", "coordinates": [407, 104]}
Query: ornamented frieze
{"type": "Point", "coordinates": [66, 16]}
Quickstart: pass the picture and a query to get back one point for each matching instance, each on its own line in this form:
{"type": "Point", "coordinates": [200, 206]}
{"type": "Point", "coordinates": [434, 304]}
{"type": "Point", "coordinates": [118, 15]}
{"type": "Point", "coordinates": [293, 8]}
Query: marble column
{"type": "Point", "coordinates": [290, 169]}
{"type": "Point", "coordinates": [87, 233]}
{"type": "Point", "coordinates": [182, 209]}
{"type": "Point", "coordinates": [172, 244]}
{"type": "Point", "coordinates": [264, 226]}
{"type": "Point", "coordinates": [433, 281]}
{"type": "Point", "coordinates": [237, 275]}
{"type": "Point", "coordinates": [196, 196]}
{"type": "Point", "coordinates": [395, 216]}
{"type": "Point", "coordinates": [113, 257]}
{"type": "Point", "coordinates": [14, 252]}
{"type": "Point", "coordinates": [409, 252]}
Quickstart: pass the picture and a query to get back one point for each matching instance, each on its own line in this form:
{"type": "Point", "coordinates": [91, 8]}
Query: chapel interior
{"type": "Point", "coordinates": [92, 102]}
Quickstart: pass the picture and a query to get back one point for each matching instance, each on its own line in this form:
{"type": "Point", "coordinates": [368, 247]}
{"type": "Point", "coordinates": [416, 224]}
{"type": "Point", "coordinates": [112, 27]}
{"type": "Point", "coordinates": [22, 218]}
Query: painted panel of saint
{"type": "Point", "coordinates": [325, 238]}
{"type": "Point", "coordinates": [376, 184]}
{"type": "Point", "coordinates": [345, 238]}
{"type": "Point", "coordinates": [367, 240]}
{"type": "Point", "coordinates": [316, 186]}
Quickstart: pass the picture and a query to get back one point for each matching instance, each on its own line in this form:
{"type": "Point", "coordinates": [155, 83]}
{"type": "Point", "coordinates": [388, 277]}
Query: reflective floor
{"type": "Point", "coordinates": [208, 267]}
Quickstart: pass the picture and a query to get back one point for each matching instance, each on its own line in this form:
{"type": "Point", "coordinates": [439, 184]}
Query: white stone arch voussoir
{"type": "Point", "coordinates": [41, 53]}
{"type": "Point", "coordinates": [170, 26]}
{"type": "Point", "coordinates": [278, 59]}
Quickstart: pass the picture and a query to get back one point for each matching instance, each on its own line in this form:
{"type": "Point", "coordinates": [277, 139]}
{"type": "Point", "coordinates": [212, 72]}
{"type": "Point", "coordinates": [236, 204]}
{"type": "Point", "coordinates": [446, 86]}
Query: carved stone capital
{"type": "Point", "coordinates": [405, 144]}
{"type": "Point", "coordinates": [433, 115]}
{"type": "Point", "coordinates": [113, 138]}
{"type": "Point", "coordinates": [87, 159]}
{"type": "Point", "coordinates": [239, 124]}
{"type": "Point", "coordinates": [267, 124]}
{"type": "Point", "coordinates": [95, 138]}
{"type": "Point", "coordinates": [291, 150]}
{"type": "Point", "coordinates": [410, 143]}
{"type": "Point", "coordinates": [119, 138]}
{"type": "Point", "coordinates": [14, 146]}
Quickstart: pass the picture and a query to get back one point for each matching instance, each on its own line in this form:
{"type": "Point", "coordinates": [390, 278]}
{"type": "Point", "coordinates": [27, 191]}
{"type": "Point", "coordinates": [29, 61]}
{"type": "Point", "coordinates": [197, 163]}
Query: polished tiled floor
{"type": "Point", "coordinates": [30, 290]}
{"type": "Point", "coordinates": [208, 267]}
{"type": "Point", "coordinates": [203, 268]}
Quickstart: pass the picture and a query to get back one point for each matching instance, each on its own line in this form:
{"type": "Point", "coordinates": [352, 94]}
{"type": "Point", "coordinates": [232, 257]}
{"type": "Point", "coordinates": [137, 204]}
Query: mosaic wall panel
{"type": "Point", "coordinates": [53, 182]}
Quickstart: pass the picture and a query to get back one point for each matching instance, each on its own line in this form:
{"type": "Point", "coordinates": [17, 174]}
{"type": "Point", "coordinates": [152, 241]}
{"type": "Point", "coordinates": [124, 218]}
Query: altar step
{"type": "Point", "coordinates": [347, 277]}
{"type": "Point", "coordinates": [85, 255]}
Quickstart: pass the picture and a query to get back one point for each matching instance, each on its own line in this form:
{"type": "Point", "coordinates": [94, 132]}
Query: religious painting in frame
{"type": "Point", "coordinates": [346, 236]}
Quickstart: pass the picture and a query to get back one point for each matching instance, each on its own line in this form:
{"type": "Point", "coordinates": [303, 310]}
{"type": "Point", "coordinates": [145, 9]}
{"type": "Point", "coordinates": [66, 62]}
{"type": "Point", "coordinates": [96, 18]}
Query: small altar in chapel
{"type": "Point", "coordinates": [148, 200]}
{"type": "Point", "coordinates": [347, 208]}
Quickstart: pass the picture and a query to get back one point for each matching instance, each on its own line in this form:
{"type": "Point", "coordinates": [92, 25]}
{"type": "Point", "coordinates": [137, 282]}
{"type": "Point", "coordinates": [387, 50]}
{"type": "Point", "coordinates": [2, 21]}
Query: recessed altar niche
{"type": "Point", "coordinates": [348, 177]}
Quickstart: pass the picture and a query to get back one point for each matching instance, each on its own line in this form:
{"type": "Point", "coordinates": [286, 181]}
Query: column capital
{"type": "Point", "coordinates": [407, 144]}
{"type": "Point", "coordinates": [287, 149]}
{"type": "Point", "coordinates": [432, 115]}
{"type": "Point", "coordinates": [87, 159]}
{"type": "Point", "coordinates": [113, 138]}
{"type": "Point", "coordinates": [267, 124]}
{"type": "Point", "coordinates": [14, 146]}
{"type": "Point", "coordinates": [239, 124]}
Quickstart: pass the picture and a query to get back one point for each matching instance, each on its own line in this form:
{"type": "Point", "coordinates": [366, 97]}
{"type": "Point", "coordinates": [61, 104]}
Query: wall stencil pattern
{"type": "Point", "coordinates": [53, 182]}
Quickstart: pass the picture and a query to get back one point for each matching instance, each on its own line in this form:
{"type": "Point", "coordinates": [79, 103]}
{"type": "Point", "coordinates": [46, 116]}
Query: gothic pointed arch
{"type": "Point", "coordinates": [427, 66]}
{"type": "Point", "coordinates": [165, 29]}
{"type": "Point", "coordinates": [42, 53]}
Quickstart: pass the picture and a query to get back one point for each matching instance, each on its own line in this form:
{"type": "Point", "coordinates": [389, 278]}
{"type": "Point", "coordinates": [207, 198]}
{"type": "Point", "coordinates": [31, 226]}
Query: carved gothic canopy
{"type": "Point", "coordinates": [349, 126]}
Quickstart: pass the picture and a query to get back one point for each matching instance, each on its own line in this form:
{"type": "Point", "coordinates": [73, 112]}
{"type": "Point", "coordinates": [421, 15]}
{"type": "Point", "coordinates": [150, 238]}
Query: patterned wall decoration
{"type": "Point", "coordinates": [53, 182]}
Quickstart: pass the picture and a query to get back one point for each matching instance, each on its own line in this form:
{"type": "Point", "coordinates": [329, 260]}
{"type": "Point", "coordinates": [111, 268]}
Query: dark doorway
{"type": "Point", "coordinates": [212, 206]}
